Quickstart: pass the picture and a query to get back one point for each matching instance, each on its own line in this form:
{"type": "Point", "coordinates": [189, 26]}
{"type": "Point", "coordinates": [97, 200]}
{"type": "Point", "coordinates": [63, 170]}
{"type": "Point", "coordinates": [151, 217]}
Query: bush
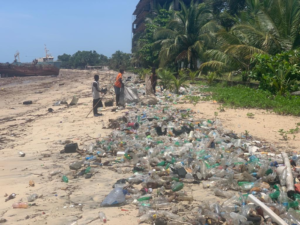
{"type": "Point", "coordinates": [277, 74]}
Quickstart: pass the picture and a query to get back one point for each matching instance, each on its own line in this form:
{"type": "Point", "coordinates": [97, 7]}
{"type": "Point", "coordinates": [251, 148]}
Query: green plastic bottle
{"type": "Point", "coordinates": [127, 156]}
{"type": "Point", "coordinates": [241, 183]}
{"type": "Point", "coordinates": [177, 186]}
{"type": "Point", "coordinates": [65, 179]}
{"type": "Point", "coordinates": [173, 160]}
{"type": "Point", "coordinates": [297, 196]}
{"type": "Point", "coordinates": [175, 178]}
{"type": "Point", "coordinates": [162, 163]}
{"type": "Point", "coordinates": [145, 198]}
{"type": "Point", "coordinates": [294, 204]}
{"type": "Point", "coordinates": [87, 170]}
{"type": "Point", "coordinates": [275, 194]}
{"type": "Point", "coordinates": [269, 171]}
{"type": "Point", "coordinates": [168, 166]}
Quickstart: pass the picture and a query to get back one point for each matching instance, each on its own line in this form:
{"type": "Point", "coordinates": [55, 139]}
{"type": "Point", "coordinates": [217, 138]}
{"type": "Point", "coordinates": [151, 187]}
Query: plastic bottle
{"type": "Point", "coordinates": [65, 179]}
{"type": "Point", "coordinates": [11, 196]}
{"type": "Point", "coordinates": [282, 177]}
{"type": "Point", "coordinates": [209, 184]}
{"type": "Point", "coordinates": [33, 197]}
{"type": "Point", "coordinates": [115, 197]}
{"type": "Point", "coordinates": [221, 193]}
{"type": "Point", "coordinates": [147, 218]}
{"type": "Point", "coordinates": [293, 204]}
{"type": "Point", "coordinates": [20, 205]}
{"type": "Point", "coordinates": [55, 172]}
{"type": "Point", "coordinates": [102, 217]}
{"type": "Point", "coordinates": [185, 198]}
{"type": "Point", "coordinates": [237, 218]}
{"type": "Point", "coordinates": [246, 186]}
{"type": "Point", "coordinates": [234, 200]}
{"type": "Point", "coordinates": [177, 186]}
{"type": "Point", "coordinates": [145, 198]}
{"type": "Point", "coordinates": [87, 170]}
{"type": "Point", "coordinates": [275, 194]}
{"type": "Point", "coordinates": [283, 199]}
{"type": "Point", "coordinates": [162, 163]}
{"type": "Point", "coordinates": [232, 208]}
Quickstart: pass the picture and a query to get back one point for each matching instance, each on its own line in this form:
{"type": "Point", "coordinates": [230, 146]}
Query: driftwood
{"type": "Point", "coordinates": [289, 177]}
{"type": "Point", "coordinates": [267, 210]}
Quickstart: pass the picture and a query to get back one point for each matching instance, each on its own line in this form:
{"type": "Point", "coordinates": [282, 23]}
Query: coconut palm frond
{"type": "Point", "coordinates": [215, 65]}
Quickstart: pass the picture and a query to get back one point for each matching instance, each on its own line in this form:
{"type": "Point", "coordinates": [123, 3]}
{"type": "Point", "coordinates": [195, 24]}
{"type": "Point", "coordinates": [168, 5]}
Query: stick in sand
{"type": "Point", "coordinates": [96, 105]}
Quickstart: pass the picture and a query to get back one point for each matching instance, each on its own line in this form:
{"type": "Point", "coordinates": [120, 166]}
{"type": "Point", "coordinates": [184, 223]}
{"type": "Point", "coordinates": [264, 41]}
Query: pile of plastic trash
{"type": "Point", "coordinates": [163, 150]}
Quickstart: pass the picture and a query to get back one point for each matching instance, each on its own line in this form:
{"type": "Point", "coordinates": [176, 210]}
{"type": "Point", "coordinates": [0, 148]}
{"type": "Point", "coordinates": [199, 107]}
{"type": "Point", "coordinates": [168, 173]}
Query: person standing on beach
{"type": "Point", "coordinates": [96, 96]}
{"type": "Point", "coordinates": [154, 80]}
{"type": "Point", "coordinates": [118, 85]}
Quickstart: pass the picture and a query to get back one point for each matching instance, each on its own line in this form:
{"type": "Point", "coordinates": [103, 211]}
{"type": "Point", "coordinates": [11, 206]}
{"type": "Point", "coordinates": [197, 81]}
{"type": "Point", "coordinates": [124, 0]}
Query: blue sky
{"type": "Point", "coordinates": [65, 26]}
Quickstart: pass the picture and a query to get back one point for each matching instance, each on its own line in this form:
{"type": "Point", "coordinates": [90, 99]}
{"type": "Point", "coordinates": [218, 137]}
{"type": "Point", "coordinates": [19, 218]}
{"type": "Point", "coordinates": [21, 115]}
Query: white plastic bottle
{"type": "Point", "coordinates": [102, 217]}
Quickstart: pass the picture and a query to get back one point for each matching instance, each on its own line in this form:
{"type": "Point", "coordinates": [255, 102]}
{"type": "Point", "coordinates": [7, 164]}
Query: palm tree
{"type": "Point", "coordinates": [187, 35]}
{"type": "Point", "coordinates": [267, 26]}
{"type": "Point", "coordinates": [165, 77]}
{"type": "Point", "coordinates": [177, 83]}
{"type": "Point", "coordinates": [273, 26]}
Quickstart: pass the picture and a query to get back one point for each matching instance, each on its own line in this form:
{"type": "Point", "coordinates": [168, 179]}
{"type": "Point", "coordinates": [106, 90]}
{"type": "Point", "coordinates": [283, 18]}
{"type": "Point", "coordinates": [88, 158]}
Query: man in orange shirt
{"type": "Point", "coordinates": [118, 86]}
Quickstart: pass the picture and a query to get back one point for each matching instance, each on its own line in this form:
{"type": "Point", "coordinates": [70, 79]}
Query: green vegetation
{"type": "Point", "coordinates": [221, 108]}
{"type": "Point", "coordinates": [284, 134]}
{"type": "Point", "coordinates": [240, 40]}
{"type": "Point", "coordinates": [147, 51]}
{"type": "Point", "coordinates": [164, 77]}
{"type": "Point", "coordinates": [81, 59]}
{"type": "Point", "coordinates": [247, 134]}
{"type": "Point", "coordinates": [250, 115]}
{"type": "Point", "coordinates": [120, 60]}
{"type": "Point", "coordinates": [193, 99]}
{"type": "Point", "coordinates": [278, 73]}
{"type": "Point", "coordinates": [245, 97]}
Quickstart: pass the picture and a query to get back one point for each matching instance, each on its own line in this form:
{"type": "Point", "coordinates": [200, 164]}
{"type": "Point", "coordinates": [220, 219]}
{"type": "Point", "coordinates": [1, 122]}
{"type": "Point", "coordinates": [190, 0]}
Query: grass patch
{"type": "Point", "coordinates": [245, 97]}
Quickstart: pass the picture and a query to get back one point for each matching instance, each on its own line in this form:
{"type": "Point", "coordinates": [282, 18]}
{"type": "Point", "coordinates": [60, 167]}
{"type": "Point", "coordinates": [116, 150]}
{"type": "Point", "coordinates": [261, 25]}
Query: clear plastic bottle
{"type": "Point", "coordinates": [55, 172]}
{"type": "Point", "coordinates": [237, 218]}
{"type": "Point", "coordinates": [102, 217]}
{"type": "Point", "coordinates": [32, 197]}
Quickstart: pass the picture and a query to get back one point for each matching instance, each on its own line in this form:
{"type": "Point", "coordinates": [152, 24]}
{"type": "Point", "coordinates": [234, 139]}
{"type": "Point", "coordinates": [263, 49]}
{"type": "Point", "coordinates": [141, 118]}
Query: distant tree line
{"type": "Point", "coordinates": [81, 59]}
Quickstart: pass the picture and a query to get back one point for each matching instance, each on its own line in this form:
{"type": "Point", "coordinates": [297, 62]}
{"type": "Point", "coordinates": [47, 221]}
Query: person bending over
{"type": "Point", "coordinates": [118, 85]}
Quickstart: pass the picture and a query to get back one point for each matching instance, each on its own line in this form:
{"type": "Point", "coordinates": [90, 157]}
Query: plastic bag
{"type": "Point", "coordinates": [130, 96]}
{"type": "Point", "coordinates": [74, 100]}
{"type": "Point", "coordinates": [115, 197]}
{"type": "Point", "coordinates": [122, 97]}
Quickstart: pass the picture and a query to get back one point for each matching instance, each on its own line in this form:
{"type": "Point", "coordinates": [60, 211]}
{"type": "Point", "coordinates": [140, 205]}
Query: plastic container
{"type": "Point", "coordinates": [65, 179]}
{"type": "Point", "coordinates": [32, 197]}
{"type": "Point", "coordinates": [145, 198]}
{"type": "Point", "coordinates": [115, 198]}
{"type": "Point", "coordinates": [20, 205]}
{"type": "Point", "coordinates": [102, 217]}
{"type": "Point", "coordinates": [177, 186]}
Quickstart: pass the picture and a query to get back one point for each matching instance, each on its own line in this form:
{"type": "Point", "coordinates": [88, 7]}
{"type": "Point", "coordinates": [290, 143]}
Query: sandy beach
{"type": "Point", "coordinates": [41, 135]}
